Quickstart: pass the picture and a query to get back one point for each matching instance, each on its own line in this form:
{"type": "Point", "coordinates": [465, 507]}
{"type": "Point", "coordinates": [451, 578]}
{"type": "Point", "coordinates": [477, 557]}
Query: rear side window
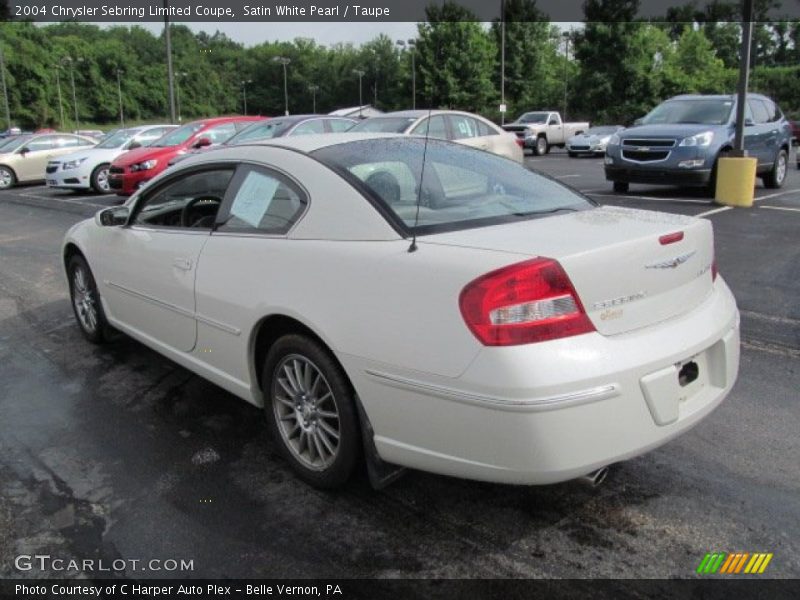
{"type": "Point", "coordinates": [484, 129]}
{"type": "Point", "coordinates": [760, 114]}
{"type": "Point", "coordinates": [265, 202]}
{"type": "Point", "coordinates": [463, 127]}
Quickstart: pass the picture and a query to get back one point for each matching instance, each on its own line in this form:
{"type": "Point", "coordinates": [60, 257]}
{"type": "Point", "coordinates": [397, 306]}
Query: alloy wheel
{"type": "Point", "coordinates": [306, 412]}
{"type": "Point", "coordinates": [84, 300]}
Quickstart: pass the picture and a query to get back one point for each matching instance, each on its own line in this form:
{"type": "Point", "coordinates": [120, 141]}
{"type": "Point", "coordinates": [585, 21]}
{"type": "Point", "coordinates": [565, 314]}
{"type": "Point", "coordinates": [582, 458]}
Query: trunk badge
{"type": "Point", "coordinates": [672, 263]}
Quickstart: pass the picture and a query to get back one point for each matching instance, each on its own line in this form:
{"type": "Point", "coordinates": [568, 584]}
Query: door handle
{"type": "Point", "coordinates": [184, 264]}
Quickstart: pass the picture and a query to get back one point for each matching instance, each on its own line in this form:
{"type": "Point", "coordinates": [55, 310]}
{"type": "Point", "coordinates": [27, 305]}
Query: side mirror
{"type": "Point", "coordinates": [637, 121]}
{"type": "Point", "coordinates": [749, 122]}
{"type": "Point", "coordinates": [112, 217]}
{"type": "Point", "coordinates": [134, 144]}
{"type": "Point", "coordinates": [202, 142]}
{"type": "Point", "coordinates": [24, 150]}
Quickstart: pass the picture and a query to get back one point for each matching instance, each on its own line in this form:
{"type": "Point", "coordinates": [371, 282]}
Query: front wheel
{"type": "Point", "coordinates": [777, 176]}
{"type": "Point", "coordinates": [86, 301]}
{"type": "Point", "coordinates": [310, 410]}
{"type": "Point", "coordinates": [100, 179]}
{"type": "Point", "coordinates": [540, 149]}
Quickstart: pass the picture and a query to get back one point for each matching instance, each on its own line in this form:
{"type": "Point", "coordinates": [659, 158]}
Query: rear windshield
{"type": "Point", "coordinates": [178, 136]}
{"type": "Point", "coordinates": [533, 117]}
{"type": "Point", "coordinates": [710, 111]}
{"type": "Point", "coordinates": [383, 125]}
{"type": "Point", "coordinates": [461, 187]}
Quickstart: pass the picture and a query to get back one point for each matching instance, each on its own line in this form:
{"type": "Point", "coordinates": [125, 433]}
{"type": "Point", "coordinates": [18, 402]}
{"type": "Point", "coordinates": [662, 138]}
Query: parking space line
{"type": "Point", "coordinates": [67, 200]}
{"type": "Point", "coordinates": [776, 195]}
{"type": "Point", "coordinates": [713, 211]}
{"type": "Point", "coordinates": [680, 200]}
{"type": "Point", "coordinates": [787, 208]}
{"type": "Point", "coordinates": [567, 176]}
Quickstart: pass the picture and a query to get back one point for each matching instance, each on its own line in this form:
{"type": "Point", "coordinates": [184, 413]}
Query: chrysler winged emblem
{"type": "Point", "coordinates": [672, 262]}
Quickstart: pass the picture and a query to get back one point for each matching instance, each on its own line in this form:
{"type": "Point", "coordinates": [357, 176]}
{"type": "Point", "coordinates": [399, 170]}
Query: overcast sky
{"type": "Point", "coordinates": [326, 34]}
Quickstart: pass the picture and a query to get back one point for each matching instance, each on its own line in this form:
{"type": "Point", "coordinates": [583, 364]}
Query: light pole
{"type": "Point", "coordinates": [566, 35]}
{"type": "Point", "coordinates": [5, 89]}
{"type": "Point", "coordinates": [60, 102]}
{"type": "Point", "coordinates": [502, 61]}
{"type": "Point", "coordinates": [284, 61]}
{"type": "Point", "coordinates": [360, 74]}
{"type": "Point", "coordinates": [170, 73]}
{"type": "Point", "coordinates": [178, 93]}
{"type": "Point", "coordinates": [412, 45]}
{"type": "Point", "coordinates": [313, 89]}
{"type": "Point", "coordinates": [119, 93]}
{"type": "Point", "coordinates": [71, 61]}
{"type": "Point", "coordinates": [244, 83]}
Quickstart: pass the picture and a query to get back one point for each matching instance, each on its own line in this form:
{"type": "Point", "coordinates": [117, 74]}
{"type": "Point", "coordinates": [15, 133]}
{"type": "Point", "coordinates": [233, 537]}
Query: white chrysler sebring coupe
{"type": "Point", "coordinates": [422, 305]}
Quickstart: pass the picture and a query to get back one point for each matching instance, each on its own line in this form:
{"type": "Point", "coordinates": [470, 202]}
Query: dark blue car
{"type": "Point", "coordinates": [679, 142]}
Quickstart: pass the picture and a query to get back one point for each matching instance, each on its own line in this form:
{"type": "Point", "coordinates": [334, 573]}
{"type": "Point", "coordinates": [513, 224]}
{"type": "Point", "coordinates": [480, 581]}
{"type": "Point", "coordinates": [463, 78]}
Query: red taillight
{"type": "Point", "coordinates": [671, 238]}
{"type": "Point", "coordinates": [520, 143]}
{"type": "Point", "coordinates": [531, 301]}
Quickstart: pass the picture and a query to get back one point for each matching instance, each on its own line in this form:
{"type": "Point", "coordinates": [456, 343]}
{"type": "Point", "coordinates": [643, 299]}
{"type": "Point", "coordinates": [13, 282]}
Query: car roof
{"type": "Point", "coordinates": [714, 96]}
{"type": "Point", "coordinates": [215, 120]}
{"type": "Point", "coordinates": [419, 113]}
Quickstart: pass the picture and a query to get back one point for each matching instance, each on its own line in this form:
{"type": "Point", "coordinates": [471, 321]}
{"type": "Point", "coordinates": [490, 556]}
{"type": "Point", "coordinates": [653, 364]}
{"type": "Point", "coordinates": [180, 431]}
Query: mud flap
{"type": "Point", "coordinates": [380, 473]}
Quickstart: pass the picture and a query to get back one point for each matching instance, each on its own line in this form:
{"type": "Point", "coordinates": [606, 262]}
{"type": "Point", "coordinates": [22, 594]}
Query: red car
{"type": "Point", "coordinates": [136, 167]}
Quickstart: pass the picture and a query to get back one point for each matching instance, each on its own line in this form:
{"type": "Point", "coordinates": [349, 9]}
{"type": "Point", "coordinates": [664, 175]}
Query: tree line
{"type": "Point", "coordinates": [613, 69]}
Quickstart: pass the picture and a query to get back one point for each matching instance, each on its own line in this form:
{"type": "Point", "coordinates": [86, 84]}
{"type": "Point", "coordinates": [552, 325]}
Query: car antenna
{"type": "Point", "coordinates": [413, 246]}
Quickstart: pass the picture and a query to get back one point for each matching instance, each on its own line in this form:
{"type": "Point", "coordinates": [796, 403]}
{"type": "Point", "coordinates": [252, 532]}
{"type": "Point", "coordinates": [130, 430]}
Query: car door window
{"type": "Point", "coordinates": [438, 128]}
{"type": "Point", "coordinates": [151, 135]}
{"type": "Point", "coordinates": [760, 114]}
{"type": "Point", "coordinates": [47, 142]}
{"type": "Point", "coordinates": [218, 133]}
{"type": "Point", "coordinates": [339, 125]}
{"type": "Point", "coordinates": [314, 126]}
{"type": "Point", "coordinates": [773, 113]}
{"type": "Point", "coordinates": [265, 202]}
{"type": "Point", "coordinates": [190, 200]}
{"type": "Point", "coordinates": [462, 127]}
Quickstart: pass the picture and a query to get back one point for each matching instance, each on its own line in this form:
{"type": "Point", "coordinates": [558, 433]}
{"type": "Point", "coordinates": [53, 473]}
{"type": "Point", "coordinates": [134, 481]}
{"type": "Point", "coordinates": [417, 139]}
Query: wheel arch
{"type": "Point", "coordinates": [71, 249]}
{"type": "Point", "coordinates": [10, 168]}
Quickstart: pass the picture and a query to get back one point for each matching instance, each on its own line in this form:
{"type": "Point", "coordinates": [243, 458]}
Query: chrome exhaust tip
{"type": "Point", "coordinates": [595, 478]}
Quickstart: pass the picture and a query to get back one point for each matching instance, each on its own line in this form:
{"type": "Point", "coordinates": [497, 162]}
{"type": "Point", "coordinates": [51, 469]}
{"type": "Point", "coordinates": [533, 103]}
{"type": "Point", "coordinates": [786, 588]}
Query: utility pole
{"type": "Point", "coordinates": [744, 76]}
{"type": "Point", "coordinates": [170, 74]}
{"type": "Point", "coordinates": [119, 93]}
{"type": "Point", "coordinates": [244, 83]}
{"type": "Point", "coordinates": [313, 89]}
{"type": "Point", "coordinates": [502, 62]}
{"type": "Point", "coordinates": [71, 61]}
{"type": "Point", "coordinates": [5, 89]}
{"type": "Point", "coordinates": [566, 35]}
{"type": "Point", "coordinates": [178, 93]}
{"type": "Point", "coordinates": [360, 74]}
{"type": "Point", "coordinates": [60, 101]}
{"type": "Point", "coordinates": [284, 61]}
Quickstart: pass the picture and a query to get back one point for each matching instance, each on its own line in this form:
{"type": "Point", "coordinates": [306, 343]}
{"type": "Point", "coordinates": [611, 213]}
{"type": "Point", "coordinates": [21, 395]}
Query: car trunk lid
{"type": "Point", "coordinates": [626, 270]}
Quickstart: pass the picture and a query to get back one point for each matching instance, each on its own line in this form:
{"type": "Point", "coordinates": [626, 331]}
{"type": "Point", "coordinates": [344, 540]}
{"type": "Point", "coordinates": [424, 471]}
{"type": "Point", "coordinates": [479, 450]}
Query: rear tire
{"type": "Point", "coordinates": [8, 178]}
{"type": "Point", "coordinates": [310, 409]}
{"type": "Point", "coordinates": [99, 179]}
{"type": "Point", "coordinates": [621, 187]}
{"type": "Point", "coordinates": [777, 176]}
{"type": "Point", "coordinates": [86, 302]}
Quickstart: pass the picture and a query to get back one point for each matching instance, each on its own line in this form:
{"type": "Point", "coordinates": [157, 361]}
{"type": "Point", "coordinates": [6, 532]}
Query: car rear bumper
{"type": "Point", "coordinates": [550, 412]}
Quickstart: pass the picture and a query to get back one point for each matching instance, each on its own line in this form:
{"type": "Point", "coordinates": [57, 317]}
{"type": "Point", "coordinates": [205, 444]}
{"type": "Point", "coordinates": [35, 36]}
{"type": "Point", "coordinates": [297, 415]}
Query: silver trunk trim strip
{"type": "Point", "coordinates": [587, 396]}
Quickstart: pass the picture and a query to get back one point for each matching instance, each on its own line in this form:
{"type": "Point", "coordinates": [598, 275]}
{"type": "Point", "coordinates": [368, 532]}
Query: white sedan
{"type": "Point", "coordinates": [88, 169]}
{"type": "Point", "coordinates": [484, 322]}
{"type": "Point", "coordinates": [454, 125]}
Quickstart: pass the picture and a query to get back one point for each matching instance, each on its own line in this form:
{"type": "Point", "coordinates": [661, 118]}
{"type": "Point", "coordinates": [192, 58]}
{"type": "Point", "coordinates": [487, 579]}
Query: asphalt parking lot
{"type": "Point", "coordinates": [118, 453]}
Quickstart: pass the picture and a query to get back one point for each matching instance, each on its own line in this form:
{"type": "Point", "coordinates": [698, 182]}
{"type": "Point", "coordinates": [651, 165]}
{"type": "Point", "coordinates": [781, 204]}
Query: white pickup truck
{"type": "Point", "coordinates": [540, 130]}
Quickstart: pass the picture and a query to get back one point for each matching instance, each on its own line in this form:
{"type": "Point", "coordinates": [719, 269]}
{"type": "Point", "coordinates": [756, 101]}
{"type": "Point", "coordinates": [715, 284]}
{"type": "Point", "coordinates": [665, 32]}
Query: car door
{"type": "Point", "coordinates": [773, 133]}
{"type": "Point", "coordinates": [147, 268]}
{"type": "Point", "coordinates": [31, 158]}
{"type": "Point", "coordinates": [555, 129]}
{"type": "Point", "coordinates": [758, 133]}
{"type": "Point", "coordinates": [260, 208]}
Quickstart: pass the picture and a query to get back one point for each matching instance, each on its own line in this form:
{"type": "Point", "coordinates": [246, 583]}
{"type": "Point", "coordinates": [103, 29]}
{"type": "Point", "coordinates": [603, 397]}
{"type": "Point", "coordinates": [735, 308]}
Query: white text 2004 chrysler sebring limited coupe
{"type": "Point", "coordinates": [526, 336]}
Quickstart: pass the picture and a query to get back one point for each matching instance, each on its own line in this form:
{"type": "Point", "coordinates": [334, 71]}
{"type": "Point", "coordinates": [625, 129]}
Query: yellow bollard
{"type": "Point", "coordinates": [736, 181]}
